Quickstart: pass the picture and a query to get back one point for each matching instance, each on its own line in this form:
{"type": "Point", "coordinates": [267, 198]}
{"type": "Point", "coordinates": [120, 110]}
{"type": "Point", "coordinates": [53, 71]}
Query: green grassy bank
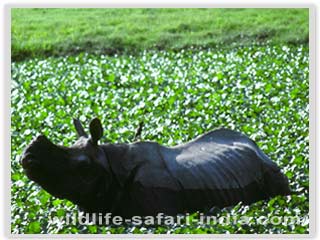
{"type": "Point", "coordinates": [58, 32]}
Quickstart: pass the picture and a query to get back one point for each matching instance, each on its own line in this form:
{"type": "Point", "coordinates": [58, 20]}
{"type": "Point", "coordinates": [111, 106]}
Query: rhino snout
{"type": "Point", "coordinates": [36, 150]}
{"type": "Point", "coordinates": [29, 161]}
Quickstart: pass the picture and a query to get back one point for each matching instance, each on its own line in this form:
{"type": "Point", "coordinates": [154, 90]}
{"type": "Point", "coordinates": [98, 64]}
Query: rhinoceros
{"type": "Point", "coordinates": [217, 169]}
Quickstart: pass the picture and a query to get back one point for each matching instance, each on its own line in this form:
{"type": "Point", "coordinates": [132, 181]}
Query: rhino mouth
{"type": "Point", "coordinates": [31, 165]}
{"type": "Point", "coordinates": [29, 161]}
{"type": "Point", "coordinates": [34, 167]}
{"type": "Point", "coordinates": [32, 160]}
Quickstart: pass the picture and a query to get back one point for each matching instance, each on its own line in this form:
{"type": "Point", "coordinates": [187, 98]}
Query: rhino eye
{"type": "Point", "coordinates": [83, 163]}
{"type": "Point", "coordinates": [83, 159]}
{"type": "Point", "coordinates": [85, 169]}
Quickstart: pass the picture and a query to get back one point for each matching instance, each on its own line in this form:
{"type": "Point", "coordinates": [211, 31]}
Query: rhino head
{"type": "Point", "coordinates": [79, 173]}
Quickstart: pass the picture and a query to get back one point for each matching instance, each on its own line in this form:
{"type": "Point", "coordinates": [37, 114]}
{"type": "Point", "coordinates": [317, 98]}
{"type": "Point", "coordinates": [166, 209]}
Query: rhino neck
{"type": "Point", "coordinates": [122, 161]}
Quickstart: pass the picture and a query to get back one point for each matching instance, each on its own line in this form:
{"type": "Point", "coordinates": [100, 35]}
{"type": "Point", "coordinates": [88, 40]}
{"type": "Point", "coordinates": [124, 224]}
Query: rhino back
{"type": "Point", "coordinates": [221, 168]}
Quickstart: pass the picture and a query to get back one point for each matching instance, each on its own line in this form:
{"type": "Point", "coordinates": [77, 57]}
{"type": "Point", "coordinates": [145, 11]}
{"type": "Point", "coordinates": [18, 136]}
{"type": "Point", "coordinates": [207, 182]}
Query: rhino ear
{"type": "Point", "coordinates": [96, 130]}
{"type": "Point", "coordinates": [77, 124]}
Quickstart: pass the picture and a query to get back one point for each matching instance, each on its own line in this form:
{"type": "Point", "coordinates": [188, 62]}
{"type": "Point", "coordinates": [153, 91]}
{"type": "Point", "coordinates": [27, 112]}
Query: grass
{"type": "Point", "coordinates": [58, 32]}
